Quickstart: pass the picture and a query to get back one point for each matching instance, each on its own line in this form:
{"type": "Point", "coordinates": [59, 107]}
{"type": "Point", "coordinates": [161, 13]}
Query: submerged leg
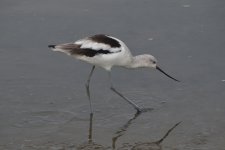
{"type": "Point", "coordinates": [87, 87]}
{"type": "Point", "coordinates": [121, 95]}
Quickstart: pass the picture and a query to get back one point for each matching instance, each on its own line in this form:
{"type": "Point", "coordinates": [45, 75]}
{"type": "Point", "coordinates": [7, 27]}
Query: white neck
{"type": "Point", "coordinates": [138, 62]}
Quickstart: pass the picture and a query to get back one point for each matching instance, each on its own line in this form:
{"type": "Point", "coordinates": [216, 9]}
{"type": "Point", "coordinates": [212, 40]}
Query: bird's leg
{"type": "Point", "coordinates": [87, 87]}
{"type": "Point", "coordinates": [121, 95]}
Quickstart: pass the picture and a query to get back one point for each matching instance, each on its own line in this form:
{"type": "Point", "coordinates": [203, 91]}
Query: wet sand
{"type": "Point", "coordinates": [43, 104]}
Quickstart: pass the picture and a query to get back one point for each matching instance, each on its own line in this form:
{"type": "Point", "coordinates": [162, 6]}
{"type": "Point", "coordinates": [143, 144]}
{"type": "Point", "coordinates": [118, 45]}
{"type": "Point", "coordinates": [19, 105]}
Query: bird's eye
{"type": "Point", "coordinates": [154, 62]}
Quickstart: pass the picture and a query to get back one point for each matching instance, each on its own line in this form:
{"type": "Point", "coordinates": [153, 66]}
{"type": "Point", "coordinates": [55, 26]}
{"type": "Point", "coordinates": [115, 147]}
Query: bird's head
{"type": "Point", "coordinates": [150, 61]}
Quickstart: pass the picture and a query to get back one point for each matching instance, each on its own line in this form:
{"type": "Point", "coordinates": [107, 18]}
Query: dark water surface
{"type": "Point", "coordinates": [43, 104]}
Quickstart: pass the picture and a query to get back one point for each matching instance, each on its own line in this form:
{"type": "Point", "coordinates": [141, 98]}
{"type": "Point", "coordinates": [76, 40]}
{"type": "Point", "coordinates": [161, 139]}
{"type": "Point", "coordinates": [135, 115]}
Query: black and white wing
{"type": "Point", "coordinates": [90, 46]}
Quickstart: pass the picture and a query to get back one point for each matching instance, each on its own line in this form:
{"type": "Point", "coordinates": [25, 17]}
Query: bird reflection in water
{"type": "Point", "coordinates": [123, 129]}
{"type": "Point", "coordinates": [91, 145]}
{"type": "Point", "coordinates": [148, 145]}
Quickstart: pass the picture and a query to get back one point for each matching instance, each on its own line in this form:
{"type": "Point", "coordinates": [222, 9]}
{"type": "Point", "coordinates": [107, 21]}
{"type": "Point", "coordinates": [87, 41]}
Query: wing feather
{"type": "Point", "coordinates": [90, 46]}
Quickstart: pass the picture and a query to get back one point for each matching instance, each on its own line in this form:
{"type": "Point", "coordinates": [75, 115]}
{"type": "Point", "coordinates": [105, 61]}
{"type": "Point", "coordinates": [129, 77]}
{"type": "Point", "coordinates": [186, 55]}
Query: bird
{"type": "Point", "coordinates": [106, 52]}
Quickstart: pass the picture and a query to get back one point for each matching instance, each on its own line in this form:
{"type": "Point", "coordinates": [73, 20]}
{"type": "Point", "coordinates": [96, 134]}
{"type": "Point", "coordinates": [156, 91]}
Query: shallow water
{"type": "Point", "coordinates": [43, 104]}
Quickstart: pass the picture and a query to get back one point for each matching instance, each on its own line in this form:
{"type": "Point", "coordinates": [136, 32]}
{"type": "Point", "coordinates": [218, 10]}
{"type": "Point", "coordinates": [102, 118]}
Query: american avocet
{"type": "Point", "coordinates": [107, 51]}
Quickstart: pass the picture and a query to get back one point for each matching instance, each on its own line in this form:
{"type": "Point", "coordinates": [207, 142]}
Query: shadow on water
{"type": "Point", "coordinates": [90, 144]}
{"type": "Point", "coordinates": [155, 145]}
{"type": "Point", "coordinates": [123, 129]}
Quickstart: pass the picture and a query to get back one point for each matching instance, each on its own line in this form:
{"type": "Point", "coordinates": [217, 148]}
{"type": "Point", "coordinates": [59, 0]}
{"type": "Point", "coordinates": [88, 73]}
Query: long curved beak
{"type": "Point", "coordinates": [157, 67]}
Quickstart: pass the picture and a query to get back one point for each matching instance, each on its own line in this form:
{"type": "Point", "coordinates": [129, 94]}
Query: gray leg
{"type": "Point", "coordinates": [87, 87]}
{"type": "Point", "coordinates": [121, 95]}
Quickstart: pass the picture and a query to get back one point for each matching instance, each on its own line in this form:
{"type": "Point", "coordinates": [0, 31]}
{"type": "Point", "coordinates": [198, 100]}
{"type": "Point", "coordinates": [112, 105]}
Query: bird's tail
{"type": "Point", "coordinates": [51, 46]}
{"type": "Point", "coordinates": [55, 47]}
{"type": "Point", "coordinates": [68, 48]}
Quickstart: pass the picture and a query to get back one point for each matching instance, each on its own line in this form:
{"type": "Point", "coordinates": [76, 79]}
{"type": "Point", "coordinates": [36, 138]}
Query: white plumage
{"type": "Point", "coordinates": [107, 51]}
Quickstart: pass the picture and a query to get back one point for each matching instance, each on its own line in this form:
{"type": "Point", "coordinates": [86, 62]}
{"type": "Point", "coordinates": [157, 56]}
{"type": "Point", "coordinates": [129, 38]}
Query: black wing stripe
{"type": "Point", "coordinates": [74, 49]}
{"type": "Point", "coordinates": [90, 52]}
{"type": "Point", "coordinates": [101, 38]}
